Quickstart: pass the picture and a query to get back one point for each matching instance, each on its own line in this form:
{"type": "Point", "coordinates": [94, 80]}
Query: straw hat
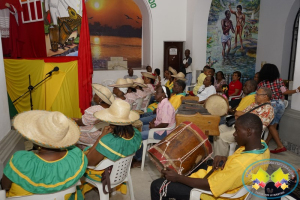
{"type": "Point", "coordinates": [48, 129]}
{"type": "Point", "coordinates": [129, 81]}
{"type": "Point", "coordinates": [180, 76]}
{"type": "Point", "coordinates": [121, 83]}
{"type": "Point", "coordinates": [104, 93]}
{"type": "Point", "coordinates": [139, 82]}
{"type": "Point", "coordinates": [171, 69]}
{"type": "Point", "coordinates": [148, 74]}
{"type": "Point", "coordinates": [118, 113]}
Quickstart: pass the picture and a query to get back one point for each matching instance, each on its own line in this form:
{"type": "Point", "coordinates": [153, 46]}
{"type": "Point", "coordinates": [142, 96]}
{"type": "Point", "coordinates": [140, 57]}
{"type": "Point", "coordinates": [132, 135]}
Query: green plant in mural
{"type": "Point", "coordinates": [209, 42]}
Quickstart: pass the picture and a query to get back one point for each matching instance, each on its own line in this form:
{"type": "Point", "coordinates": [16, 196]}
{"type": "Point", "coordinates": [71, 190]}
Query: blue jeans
{"type": "Point", "coordinates": [145, 133]}
{"type": "Point", "coordinates": [188, 77]}
{"type": "Point", "coordinates": [147, 117]}
{"type": "Point", "coordinates": [279, 108]}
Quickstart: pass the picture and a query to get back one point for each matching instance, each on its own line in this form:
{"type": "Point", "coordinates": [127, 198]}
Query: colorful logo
{"type": "Point", "coordinates": [282, 173]}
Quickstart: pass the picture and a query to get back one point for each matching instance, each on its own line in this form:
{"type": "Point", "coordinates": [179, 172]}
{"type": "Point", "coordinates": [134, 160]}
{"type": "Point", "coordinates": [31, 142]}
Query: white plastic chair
{"type": "Point", "coordinates": [138, 104]}
{"type": "Point", "coordinates": [53, 196]}
{"type": "Point", "coordinates": [196, 193]}
{"type": "Point", "coordinates": [99, 125]}
{"type": "Point", "coordinates": [237, 96]}
{"type": "Point", "coordinates": [151, 140]}
{"type": "Point", "coordinates": [119, 174]}
{"type": "Point", "coordinates": [286, 103]}
{"type": "Point", "coordinates": [147, 99]}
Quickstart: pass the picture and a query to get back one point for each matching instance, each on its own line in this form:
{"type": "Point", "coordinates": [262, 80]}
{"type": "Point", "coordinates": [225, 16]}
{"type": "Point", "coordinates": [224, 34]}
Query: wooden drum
{"type": "Point", "coordinates": [216, 105]}
{"type": "Point", "coordinates": [182, 150]}
{"type": "Point", "coordinates": [138, 125]}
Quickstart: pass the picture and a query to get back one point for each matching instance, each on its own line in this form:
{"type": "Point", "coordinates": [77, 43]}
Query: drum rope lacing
{"type": "Point", "coordinates": [163, 189]}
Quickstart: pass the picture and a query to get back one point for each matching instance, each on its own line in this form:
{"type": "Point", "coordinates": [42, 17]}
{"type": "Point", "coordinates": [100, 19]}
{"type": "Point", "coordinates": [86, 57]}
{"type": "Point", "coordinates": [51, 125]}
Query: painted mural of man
{"type": "Point", "coordinates": [226, 37]}
{"type": "Point", "coordinates": [240, 22]}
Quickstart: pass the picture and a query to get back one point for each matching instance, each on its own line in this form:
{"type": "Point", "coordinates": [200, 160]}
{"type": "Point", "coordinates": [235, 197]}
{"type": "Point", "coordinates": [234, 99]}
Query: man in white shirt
{"type": "Point", "coordinates": [130, 74]}
{"type": "Point", "coordinates": [187, 64]}
{"type": "Point", "coordinates": [207, 89]}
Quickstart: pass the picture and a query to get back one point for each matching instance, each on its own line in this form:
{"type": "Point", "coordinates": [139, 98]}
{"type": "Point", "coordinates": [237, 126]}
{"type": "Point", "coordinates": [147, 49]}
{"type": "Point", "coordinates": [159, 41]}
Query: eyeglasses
{"type": "Point", "coordinates": [260, 94]}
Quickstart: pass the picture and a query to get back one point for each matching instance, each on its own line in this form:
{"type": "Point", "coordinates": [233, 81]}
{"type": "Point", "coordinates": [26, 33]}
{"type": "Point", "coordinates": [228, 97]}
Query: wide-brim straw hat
{"type": "Point", "coordinates": [130, 81]}
{"type": "Point", "coordinates": [179, 76]}
{"type": "Point", "coordinates": [121, 83]}
{"type": "Point", "coordinates": [148, 74]}
{"type": "Point", "coordinates": [104, 93]}
{"type": "Point", "coordinates": [171, 69]}
{"type": "Point", "coordinates": [48, 129]}
{"type": "Point", "coordinates": [139, 82]}
{"type": "Point", "coordinates": [118, 114]}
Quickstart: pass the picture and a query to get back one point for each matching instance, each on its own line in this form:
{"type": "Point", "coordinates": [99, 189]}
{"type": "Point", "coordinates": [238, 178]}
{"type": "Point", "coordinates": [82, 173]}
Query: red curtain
{"type": "Point", "coordinates": [85, 66]}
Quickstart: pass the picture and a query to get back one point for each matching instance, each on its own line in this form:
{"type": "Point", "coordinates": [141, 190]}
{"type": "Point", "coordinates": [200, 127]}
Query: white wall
{"type": "Point", "coordinates": [275, 33]}
{"type": "Point", "coordinates": [100, 76]}
{"type": "Point", "coordinates": [4, 112]}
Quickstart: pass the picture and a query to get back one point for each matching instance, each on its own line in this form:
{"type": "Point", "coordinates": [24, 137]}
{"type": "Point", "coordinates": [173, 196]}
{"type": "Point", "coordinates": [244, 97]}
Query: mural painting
{"type": "Point", "coordinates": [232, 36]}
{"type": "Point", "coordinates": [115, 34]}
{"type": "Point", "coordinates": [62, 22]}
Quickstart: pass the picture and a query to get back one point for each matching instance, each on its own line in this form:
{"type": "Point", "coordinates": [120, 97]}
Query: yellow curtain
{"type": "Point", "coordinates": [58, 93]}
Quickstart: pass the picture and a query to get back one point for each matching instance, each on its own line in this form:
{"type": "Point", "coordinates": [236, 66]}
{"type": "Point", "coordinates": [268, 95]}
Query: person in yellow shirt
{"type": "Point", "coordinates": [227, 176]}
{"type": "Point", "coordinates": [200, 79]}
{"type": "Point", "coordinates": [249, 90]}
{"type": "Point", "coordinates": [175, 99]}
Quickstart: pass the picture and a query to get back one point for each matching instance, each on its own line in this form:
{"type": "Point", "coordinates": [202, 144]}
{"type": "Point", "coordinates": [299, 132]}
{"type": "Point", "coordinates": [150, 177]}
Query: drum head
{"type": "Point", "coordinates": [216, 105]}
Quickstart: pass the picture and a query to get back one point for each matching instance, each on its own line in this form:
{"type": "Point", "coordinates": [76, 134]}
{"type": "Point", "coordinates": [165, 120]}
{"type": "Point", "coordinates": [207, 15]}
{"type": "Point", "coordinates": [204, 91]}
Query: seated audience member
{"type": "Point", "coordinates": [149, 81]}
{"type": "Point", "coordinates": [118, 140]}
{"type": "Point", "coordinates": [207, 89]}
{"type": "Point", "coordinates": [130, 74]}
{"type": "Point", "coordinates": [179, 76]}
{"type": "Point", "coordinates": [103, 98]}
{"type": "Point", "coordinates": [220, 80]}
{"type": "Point", "coordinates": [256, 77]}
{"type": "Point", "coordinates": [165, 117]}
{"type": "Point", "coordinates": [56, 161]}
{"type": "Point", "coordinates": [131, 95]}
{"type": "Point", "coordinates": [235, 88]}
{"type": "Point", "coordinates": [201, 78]}
{"type": "Point", "coordinates": [249, 90]}
{"type": "Point", "coordinates": [158, 78]}
{"type": "Point", "coordinates": [265, 113]}
{"type": "Point", "coordinates": [225, 179]}
{"type": "Point", "coordinates": [165, 79]}
{"type": "Point", "coordinates": [149, 69]}
{"type": "Point", "coordinates": [120, 89]}
{"type": "Point", "coordinates": [170, 82]}
{"type": "Point", "coordinates": [175, 100]}
{"type": "Point", "coordinates": [139, 85]}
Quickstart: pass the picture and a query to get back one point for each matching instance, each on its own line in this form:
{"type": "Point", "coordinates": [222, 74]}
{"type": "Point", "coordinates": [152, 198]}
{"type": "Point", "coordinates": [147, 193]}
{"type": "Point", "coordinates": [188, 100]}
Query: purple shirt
{"type": "Point", "coordinates": [165, 113]}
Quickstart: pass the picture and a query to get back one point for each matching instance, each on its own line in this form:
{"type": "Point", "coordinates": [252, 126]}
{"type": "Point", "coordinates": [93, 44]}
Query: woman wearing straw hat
{"type": "Point", "coordinates": [170, 82]}
{"type": "Point", "coordinates": [131, 95]}
{"type": "Point", "coordinates": [179, 76]}
{"type": "Point", "coordinates": [103, 98]}
{"type": "Point", "coordinates": [165, 117]}
{"type": "Point", "coordinates": [57, 164]}
{"type": "Point", "coordinates": [139, 85]}
{"type": "Point", "coordinates": [149, 80]}
{"type": "Point", "coordinates": [118, 140]}
{"type": "Point", "coordinates": [120, 89]}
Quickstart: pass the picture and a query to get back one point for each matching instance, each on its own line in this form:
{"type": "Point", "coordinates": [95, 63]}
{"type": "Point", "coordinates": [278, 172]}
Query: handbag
{"type": "Point", "coordinates": [231, 119]}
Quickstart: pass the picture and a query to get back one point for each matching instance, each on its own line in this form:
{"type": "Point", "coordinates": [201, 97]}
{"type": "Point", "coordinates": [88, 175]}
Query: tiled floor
{"type": "Point", "coordinates": [142, 179]}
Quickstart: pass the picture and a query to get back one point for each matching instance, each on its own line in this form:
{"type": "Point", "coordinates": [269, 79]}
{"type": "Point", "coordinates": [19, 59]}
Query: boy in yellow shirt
{"type": "Point", "coordinates": [200, 79]}
{"type": "Point", "coordinates": [225, 179]}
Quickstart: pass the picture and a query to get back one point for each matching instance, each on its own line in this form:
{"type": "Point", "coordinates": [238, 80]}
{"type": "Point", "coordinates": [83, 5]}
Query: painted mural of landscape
{"type": "Point", "coordinates": [241, 57]}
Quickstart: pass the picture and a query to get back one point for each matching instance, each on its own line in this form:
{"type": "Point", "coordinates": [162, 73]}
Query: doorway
{"type": "Point", "coordinates": [173, 55]}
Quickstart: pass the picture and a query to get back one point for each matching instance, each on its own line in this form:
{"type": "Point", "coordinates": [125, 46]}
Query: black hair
{"type": "Point", "coordinates": [152, 81]}
{"type": "Point", "coordinates": [238, 73]}
{"type": "Point", "coordinates": [148, 66]}
{"type": "Point", "coordinates": [251, 121]}
{"type": "Point", "coordinates": [253, 84]}
{"type": "Point", "coordinates": [132, 89]}
{"type": "Point", "coordinates": [226, 12]}
{"type": "Point", "coordinates": [212, 80]}
{"type": "Point", "coordinates": [181, 83]}
{"type": "Point", "coordinates": [213, 69]}
{"type": "Point", "coordinates": [223, 77]}
{"type": "Point", "coordinates": [269, 72]}
{"type": "Point", "coordinates": [157, 71]}
{"type": "Point", "coordinates": [172, 78]}
{"type": "Point", "coordinates": [206, 68]}
{"type": "Point", "coordinates": [239, 6]}
{"type": "Point", "coordinates": [122, 131]}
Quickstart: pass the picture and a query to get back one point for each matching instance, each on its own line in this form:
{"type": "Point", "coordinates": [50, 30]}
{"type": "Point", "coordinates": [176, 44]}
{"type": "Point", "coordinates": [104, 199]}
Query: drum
{"type": "Point", "coordinates": [183, 149]}
{"type": "Point", "coordinates": [138, 125]}
{"type": "Point", "coordinates": [216, 105]}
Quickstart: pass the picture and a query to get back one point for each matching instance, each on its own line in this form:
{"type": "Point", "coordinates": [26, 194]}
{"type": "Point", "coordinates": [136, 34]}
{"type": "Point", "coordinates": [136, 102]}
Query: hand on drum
{"type": "Point", "coordinates": [170, 174]}
{"type": "Point", "coordinates": [219, 162]}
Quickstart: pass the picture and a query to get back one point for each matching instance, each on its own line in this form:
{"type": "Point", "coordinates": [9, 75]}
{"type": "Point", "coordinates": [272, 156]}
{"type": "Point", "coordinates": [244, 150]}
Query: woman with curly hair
{"type": "Point", "coordinates": [269, 77]}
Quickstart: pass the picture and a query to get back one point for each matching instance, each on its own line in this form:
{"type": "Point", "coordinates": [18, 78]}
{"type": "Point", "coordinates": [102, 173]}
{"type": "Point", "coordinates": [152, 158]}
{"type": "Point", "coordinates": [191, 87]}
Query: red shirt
{"type": "Point", "coordinates": [275, 87]}
{"type": "Point", "coordinates": [235, 85]}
